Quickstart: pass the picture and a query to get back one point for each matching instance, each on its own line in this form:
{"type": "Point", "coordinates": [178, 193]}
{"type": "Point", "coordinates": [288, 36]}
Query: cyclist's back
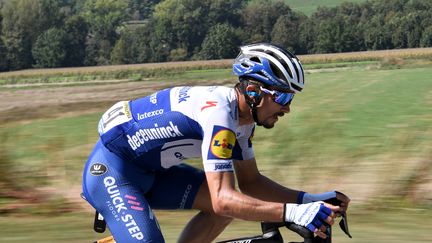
{"type": "Point", "coordinates": [169, 126]}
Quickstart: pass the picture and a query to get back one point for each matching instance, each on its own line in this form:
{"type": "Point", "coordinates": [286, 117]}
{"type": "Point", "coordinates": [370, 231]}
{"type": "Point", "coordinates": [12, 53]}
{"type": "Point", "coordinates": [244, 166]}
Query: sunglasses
{"type": "Point", "coordinates": [280, 98]}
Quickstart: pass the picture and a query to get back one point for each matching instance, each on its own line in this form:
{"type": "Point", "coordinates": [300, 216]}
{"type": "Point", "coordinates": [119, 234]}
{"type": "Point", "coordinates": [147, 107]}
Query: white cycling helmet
{"type": "Point", "coordinates": [271, 65]}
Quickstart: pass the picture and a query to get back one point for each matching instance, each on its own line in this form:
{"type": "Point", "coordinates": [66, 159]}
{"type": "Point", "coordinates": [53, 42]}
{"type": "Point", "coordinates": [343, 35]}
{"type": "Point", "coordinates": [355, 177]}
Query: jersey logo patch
{"type": "Point", "coordinates": [98, 169]}
{"type": "Point", "coordinates": [209, 104]}
{"type": "Point", "coordinates": [183, 94]}
{"type": "Point", "coordinates": [222, 143]}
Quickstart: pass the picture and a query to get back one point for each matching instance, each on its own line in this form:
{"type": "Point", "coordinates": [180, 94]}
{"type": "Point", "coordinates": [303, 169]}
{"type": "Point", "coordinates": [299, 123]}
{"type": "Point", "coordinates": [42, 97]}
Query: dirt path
{"type": "Point", "coordinates": [47, 102]}
{"type": "Point", "coordinates": [31, 98]}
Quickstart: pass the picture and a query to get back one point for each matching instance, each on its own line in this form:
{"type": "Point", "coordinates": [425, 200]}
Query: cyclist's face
{"type": "Point", "coordinates": [270, 111]}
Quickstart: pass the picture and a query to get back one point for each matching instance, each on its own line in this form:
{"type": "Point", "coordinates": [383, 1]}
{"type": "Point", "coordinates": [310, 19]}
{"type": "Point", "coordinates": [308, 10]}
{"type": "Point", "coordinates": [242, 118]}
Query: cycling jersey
{"type": "Point", "coordinates": [136, 165]}
{"type": "Point", "coordinates": [169, 126]}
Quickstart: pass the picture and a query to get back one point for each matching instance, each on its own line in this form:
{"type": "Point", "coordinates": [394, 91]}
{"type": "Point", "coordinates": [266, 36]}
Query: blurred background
{"type": "Point", "coordinates": [362, 126]}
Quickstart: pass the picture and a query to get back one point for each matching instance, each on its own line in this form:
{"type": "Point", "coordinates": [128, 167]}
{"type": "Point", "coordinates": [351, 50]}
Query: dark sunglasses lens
{"type": "Point", "coordinates": [284, 98]}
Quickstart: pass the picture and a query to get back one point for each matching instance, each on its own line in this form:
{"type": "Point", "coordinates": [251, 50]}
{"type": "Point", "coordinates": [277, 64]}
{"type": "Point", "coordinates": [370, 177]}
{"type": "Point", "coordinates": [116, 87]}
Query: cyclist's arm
{"type": "Point", "coordinates": [253, 183]}
{"type": "Point", "coordinates": [227, 201]}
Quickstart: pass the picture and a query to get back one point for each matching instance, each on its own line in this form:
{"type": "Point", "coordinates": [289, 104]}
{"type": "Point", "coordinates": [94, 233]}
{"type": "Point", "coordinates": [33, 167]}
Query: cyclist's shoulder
{"type": "Point", "coordinates": [199, 103]}
{"type": "Point", "coordinates": [203, 100]}
{"type": "Point", "coordinates": [185, 94]}
{"type": "Point", "coordinates": [204, 92]}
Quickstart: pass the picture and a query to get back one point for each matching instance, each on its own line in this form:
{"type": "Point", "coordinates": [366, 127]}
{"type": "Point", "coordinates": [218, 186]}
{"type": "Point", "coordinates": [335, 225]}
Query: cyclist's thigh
{"type": "Point", "coordinates": [119, 200]}
{"type": "Point", "coordinates": [176, 187]}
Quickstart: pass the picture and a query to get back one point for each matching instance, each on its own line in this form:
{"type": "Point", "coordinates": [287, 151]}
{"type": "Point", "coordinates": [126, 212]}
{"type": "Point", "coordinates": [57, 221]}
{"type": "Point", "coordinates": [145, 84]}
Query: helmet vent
{"type": "Point", "coordinates": [299, 89]}
{"type": "Point", "coordinates": [255, 59]}
{"type": "Point", "coordinates": [278, 73]}
{"type": "Point", "coordinates": [261, 74]}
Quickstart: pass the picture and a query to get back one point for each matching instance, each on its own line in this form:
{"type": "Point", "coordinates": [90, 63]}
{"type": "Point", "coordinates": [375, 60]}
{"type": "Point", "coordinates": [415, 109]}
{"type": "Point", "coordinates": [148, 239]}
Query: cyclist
{"type": "Point", "coordinates": [137, 164]}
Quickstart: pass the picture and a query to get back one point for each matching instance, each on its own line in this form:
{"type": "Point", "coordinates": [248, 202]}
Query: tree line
{"type": "Point", "coordinates": [66, 33]}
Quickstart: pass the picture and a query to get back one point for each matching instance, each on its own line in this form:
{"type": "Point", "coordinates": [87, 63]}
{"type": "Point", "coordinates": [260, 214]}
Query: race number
{"type": "Point", "coordinates": [114, 116]}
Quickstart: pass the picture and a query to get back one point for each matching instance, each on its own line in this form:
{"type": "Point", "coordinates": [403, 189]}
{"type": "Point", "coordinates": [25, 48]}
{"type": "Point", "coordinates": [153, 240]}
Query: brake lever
{"type": "Point", "coordinates": [344, 224]}
{"type": "Point", "coordinates": [344, 221]}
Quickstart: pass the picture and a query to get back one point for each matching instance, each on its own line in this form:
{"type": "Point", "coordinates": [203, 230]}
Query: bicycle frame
{"type": "Point", "coordinates": [271, 234]}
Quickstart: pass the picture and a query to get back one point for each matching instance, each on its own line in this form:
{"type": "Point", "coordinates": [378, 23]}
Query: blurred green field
{"type": "Point", "coordinates": [359, 129]}
{"type": "Point", "coordinates": [309, 6]}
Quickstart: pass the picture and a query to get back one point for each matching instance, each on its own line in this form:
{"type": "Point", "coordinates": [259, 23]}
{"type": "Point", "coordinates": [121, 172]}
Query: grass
{"type": "Point", "coordinates": [365, 131]}
{"type": "Point", "coordinates": [310, 6]}
{"type": "Point", "coordinates": [75, 227]}
{"type": "Point", "coordinates": [42, 148]}
{"type": "Point", "coordinates": [356, 108]}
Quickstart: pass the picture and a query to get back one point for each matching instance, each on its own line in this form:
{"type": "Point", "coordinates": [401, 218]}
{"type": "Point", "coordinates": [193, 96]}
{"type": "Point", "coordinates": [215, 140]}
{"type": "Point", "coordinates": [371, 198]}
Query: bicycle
{"type": "Point", "coordinates": [270, 231]}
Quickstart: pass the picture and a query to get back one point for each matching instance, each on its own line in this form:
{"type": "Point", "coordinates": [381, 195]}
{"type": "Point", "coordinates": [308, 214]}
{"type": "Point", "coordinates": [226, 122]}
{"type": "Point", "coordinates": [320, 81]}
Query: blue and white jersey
{"type": "Point", "coordinates": [173, 125]}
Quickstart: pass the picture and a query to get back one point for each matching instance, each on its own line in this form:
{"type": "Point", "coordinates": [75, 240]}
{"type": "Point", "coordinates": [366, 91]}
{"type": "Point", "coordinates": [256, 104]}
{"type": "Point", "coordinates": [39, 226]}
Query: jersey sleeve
{"type": "Point", "coordinates": [224, 142]}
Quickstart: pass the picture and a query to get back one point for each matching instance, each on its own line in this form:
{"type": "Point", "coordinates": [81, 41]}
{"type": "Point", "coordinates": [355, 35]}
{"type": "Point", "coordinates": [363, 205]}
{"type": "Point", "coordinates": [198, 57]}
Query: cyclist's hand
{"type": "Point", "coordinates": [315, 216]}
{"type": "Point", "coordinates": [332, 197]}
